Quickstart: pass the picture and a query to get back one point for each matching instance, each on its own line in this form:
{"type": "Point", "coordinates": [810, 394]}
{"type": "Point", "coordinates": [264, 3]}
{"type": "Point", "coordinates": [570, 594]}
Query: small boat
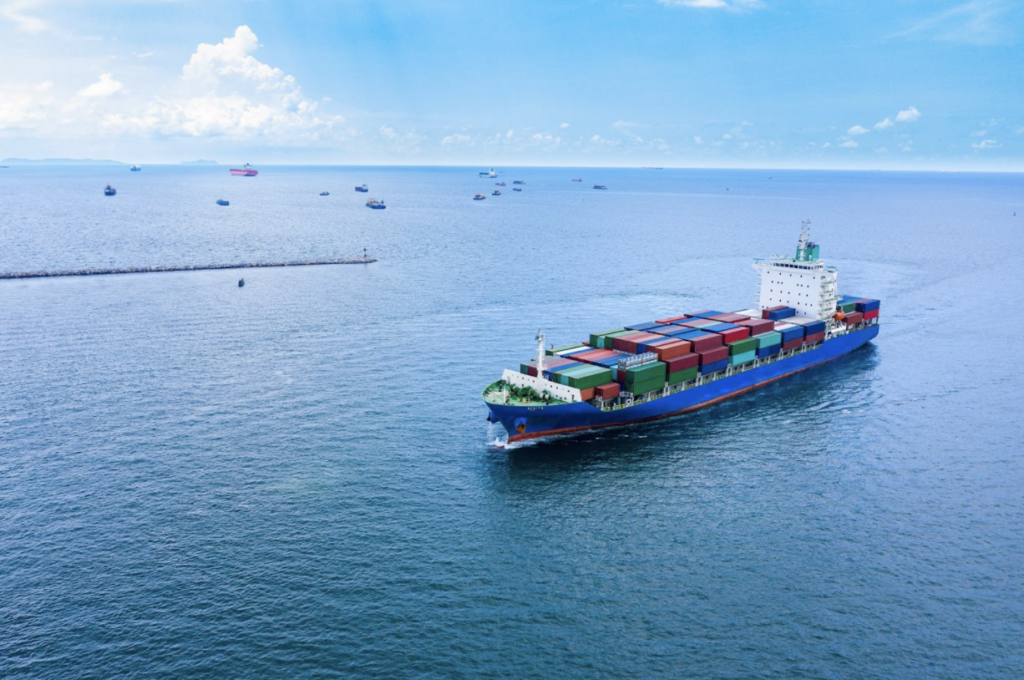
{"type": "Point", "coordinates": [221, 201]}
{"type": "Point", "coordinates": [241, 282]}
{"type": "Point", "coordinates": [517, 189]}
{"type": "Point", "coordinates": [244, 171]}
{"type": "Point", "coordinates": [363, 188]}
{"type": "Point", "coordinates": [496, 192]}
{"type": "Point", "coordinates": [492, 173]}
{"type": "Point", "coordinates": [110, 191]}
{"type": "Point", "coordinates": [479, 197]}
{"type": "Point", "coordinates": [518, 181]}
{"type": "Point", "coordinates": [501, 184]}
{"type": "Point", "coordinates": [325, 193]}
{"type": "Point", "coordinates": [135, 168]}
{"type": "Point", "coordinates": [578, 180]}
{"type": "Point", "coordinates": [600, 186]}
{"type": "Point", "coordinates": [375, 204]}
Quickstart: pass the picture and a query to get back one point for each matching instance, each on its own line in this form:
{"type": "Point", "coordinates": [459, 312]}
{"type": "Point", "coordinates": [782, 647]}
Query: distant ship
{"type": "Point", "coordinates": [375, 204]}
{"type": "Point", "coordinates": [110, 191]}
{"type": "Point", "coordinates": [501, 184]}
{"type": "Point", "coordinates": [492, 173]}
{"type": "Point", "coordinates": [496, 192]}
{"type": "Point", "coordinates": [221, 201]}
{"type": "Point", "coordinates": [325, 193]}
{"type": "Point", "coordinates": [479, 197]}
{"type": "Point", "coordinates": [135, 168]}
{"type": "Point", "coordinates": [516, 189]}
{"type": "Point", "coordinates": [578, 180]}
{"type": "Point", "coordinates": [518, 181]}
{"type": "Point", "coordinates": [363, 188]}
{"type": "Point", "coordinates": [600, 186]}
{"type": "Point", "coordinates": [245, 171]}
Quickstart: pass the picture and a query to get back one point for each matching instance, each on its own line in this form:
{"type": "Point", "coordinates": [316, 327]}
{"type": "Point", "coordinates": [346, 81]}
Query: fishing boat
{"type": "Point", "coordinates": [600, 186]}
{"type": "Point", "coordinates": [375, 204]}
{"type": "Point", "coordinates": [135, 168]}
{"type": "Point", "coordinates": [518, 181]}
{"type": "Point", "coordinates": [244, 171]}
{"type": "Point", "coordinates": [110, 191]}
{"type": "Point", "coordinates": [221, 201]}
{"type": "Point", "coordinates": [516, 189]}
{"type": "Point", "coordinates": [501, 184]}
{"type": "Point", "coordinates": [363, 188]}
{"type": "Point", "coordinates": [479, 197]}
{"type": "Point", "coordinates": [325, 193]}
{"type": "Point", "coordinates": [496, 192]}
{"type": "Point", "coordinates": [578, 180]}
{"type": "Point", "coordinates": [492, 173]}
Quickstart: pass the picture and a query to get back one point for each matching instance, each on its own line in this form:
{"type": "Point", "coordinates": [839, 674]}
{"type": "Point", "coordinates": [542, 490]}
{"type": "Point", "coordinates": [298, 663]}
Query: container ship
{"type": "Point", "coordinates": [657, 369]}
{"type": "Point", "coordinates": [244, 171]}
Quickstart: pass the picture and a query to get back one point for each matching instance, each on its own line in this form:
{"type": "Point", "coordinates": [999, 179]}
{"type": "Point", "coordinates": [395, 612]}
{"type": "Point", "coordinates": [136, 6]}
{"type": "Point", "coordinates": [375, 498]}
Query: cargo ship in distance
{"type": "Point", "coordinates": [244, 171]}
{"type": "Point", "coordinates": [657, 369]}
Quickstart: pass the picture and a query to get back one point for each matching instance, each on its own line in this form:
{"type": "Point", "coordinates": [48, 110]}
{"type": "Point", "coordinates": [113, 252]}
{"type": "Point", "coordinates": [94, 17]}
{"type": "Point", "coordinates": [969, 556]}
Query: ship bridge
{"type": "Point", "coordinates": [802, 282]}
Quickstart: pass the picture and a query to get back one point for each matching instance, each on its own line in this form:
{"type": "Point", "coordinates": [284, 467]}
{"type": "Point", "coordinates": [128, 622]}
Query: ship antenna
{"type": "Point", "coordinates": [540, 354]}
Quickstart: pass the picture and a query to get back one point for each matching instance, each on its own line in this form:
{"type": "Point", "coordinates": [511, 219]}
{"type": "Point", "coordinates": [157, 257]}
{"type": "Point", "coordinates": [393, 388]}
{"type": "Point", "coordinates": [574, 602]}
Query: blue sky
{"type": "Point", "coordinates": [927, 84]}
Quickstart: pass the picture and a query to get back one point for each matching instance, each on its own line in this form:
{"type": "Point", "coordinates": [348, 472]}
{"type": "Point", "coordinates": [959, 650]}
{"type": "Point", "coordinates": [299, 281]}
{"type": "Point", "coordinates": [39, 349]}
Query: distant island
{"type": "Point", "coordinates": [200, 162]}
{"type": "Point", "coordinates": [59, 161]}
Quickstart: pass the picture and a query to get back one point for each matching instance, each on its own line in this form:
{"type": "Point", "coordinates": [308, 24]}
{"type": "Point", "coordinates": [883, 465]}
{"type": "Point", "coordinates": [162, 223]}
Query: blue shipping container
{"type": "Point", "coordinates": [780, 314]}
{"type": "Point", "coordinates": [719, 327]}
{"type": "Point", "coordinates": [768, 351]}
{"type": "Point", "coordinates": [794, 333]}
{"type": "Point", "coordinates": [642, 326]}
{"type": "Point", "coordinates": [710, 313]}
{"type": "Point", "coordinates": [867, 306]}
{"type": "Point", "coordinates": [714, 367]}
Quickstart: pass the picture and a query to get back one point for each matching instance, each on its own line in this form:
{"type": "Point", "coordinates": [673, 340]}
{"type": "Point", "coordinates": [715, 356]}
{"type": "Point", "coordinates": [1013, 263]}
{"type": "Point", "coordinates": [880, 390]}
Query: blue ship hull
{"type": "Point", "coordinates": [530, 422]}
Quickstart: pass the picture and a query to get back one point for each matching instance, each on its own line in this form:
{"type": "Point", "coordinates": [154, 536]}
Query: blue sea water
{"type": "Point", "coordinates": [296, 478]}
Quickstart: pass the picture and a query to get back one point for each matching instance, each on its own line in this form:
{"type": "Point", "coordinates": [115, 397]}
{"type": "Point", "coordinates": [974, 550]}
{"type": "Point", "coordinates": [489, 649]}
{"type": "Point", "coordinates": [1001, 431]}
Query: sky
{"type": "Point", "coordinates": [894, 84]}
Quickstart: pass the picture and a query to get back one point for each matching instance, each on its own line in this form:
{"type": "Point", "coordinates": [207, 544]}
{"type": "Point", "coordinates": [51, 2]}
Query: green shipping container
{"type": "Point", "coordinates": [655, 369]}
{"type": "Point", "coordinates": [848, 307]}
{"type": "Point", "coordinates": [682, 376]}
{"type": "Point", "coordinates": [647, 386]}
{"type": "Point", "coordinates": [768, 339]}
{"type": "Point", "coordinates": [742, 346]}
{"type": "Point", "coordinates": [746, 357]}
{"type": "Point", "coordinates": [595, 338]}
{"type": "Point", "coordinates": [584, 378]}
{"type": "Point", "coordinates": [559, 350]}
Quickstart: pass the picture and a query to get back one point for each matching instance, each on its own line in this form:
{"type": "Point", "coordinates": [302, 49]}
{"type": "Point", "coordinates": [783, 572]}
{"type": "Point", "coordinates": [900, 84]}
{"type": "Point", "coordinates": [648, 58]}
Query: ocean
{"type": "Point", "coordinates": [297, 479]}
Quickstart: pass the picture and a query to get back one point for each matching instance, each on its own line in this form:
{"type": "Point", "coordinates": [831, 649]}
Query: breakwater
{"type": "Point", "coordinates": [181, 268]}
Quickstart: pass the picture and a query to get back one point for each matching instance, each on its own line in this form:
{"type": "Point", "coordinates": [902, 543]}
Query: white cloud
{"type": "Point", "coordinates": [24, 107]}
{"type": "Point", "coordinates": [726, 136]}
{"type": "Point", "coordinates": [104, 87]}
{"type": "Point", "coordinates": [858, 130]}
{"type": "Point", "coordinates": [979, 133]}
{"type": "Point", "coordinates": [714, 4]}
{"type": "Point", "coordinates": [986, 144]}
{"type": "Point", "coordinates": [849, 144]}
{"type": "Point", "coordinates": [509, 134]}
{"type": "Point", "coordinates": [1019, 131]}
{"type": "Point", "coordinates": [977, 22]}
{"type": "Point", "coordinates": [388, 132]}
{"type": "Point", "coordinates": [14, 11]}
{"type": "Point", "coordinates": [826, 145]}
{"type": "Point", "coordinates": [886, 123]}
{"type": "Point", "coordinates": [881, 149]}
{"type": "Point", "coordinates": [456, 139]}
{"type": "Point", "coordinates": [908, 115]}
{"type": "Point", "coordinates": [564, 125]}
{"type": "Point", "coordinates": [624, 127]}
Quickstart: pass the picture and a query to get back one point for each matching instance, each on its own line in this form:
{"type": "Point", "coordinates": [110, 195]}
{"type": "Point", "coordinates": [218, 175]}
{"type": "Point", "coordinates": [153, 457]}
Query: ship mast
{"type": "Point", "coordinates": [805, 237]}
{"type": "Point", "coordinates": [540, 354]}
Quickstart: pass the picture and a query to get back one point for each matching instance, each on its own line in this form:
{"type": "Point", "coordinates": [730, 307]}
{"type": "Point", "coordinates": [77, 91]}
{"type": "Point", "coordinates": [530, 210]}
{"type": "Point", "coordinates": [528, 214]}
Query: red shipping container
{"type": "Point", "coordinates": [703, 343]}
{"type": "Point", "coordinates": [758, 326]}
{"type": "Point", "coordinates": [627, 343]}
{"type": "Point", "coordinates": [713, 355]}
{"type": "Point", "coordinates": [671, 319]}
{"type": "Point", "coordinates": [853, 317]}
{"type": "Point", "coordinates": [531, 370]}
{"type": "Point", "coordinates": [792, 344]}
{"type": "Point", "coordinates": [587, 394]}
{"type": "Point", "coordinates": [734, 334]}
{"type": "Point", "coordinates": [608, 390]}
{"type": "Point", "coordinates": [672, 350]}
{"type": "Point", "coordinates": [817, 337]}
{"type": "Point", "coordinates": [730, 318]}
{"type": "Point", "coordinates": [683, 362]}
{"type": "Point", "coordinates": [873, 314]}
{"type": "Point", "coordinates": [766, 312]}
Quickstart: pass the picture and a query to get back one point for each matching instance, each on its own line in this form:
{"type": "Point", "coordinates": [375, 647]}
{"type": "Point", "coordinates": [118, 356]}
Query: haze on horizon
{"type": "Point", "coordinates": [710, 83]}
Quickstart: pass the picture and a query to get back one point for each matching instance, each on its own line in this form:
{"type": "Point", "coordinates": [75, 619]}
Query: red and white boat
{"type": "Point", "coordinates": [245, 171]}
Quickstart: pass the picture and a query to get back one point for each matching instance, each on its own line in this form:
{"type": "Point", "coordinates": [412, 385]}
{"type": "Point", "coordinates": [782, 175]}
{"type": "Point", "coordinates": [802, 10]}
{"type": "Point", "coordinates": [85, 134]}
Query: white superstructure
{"type": "Point", "coordinates": [802, 282]}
